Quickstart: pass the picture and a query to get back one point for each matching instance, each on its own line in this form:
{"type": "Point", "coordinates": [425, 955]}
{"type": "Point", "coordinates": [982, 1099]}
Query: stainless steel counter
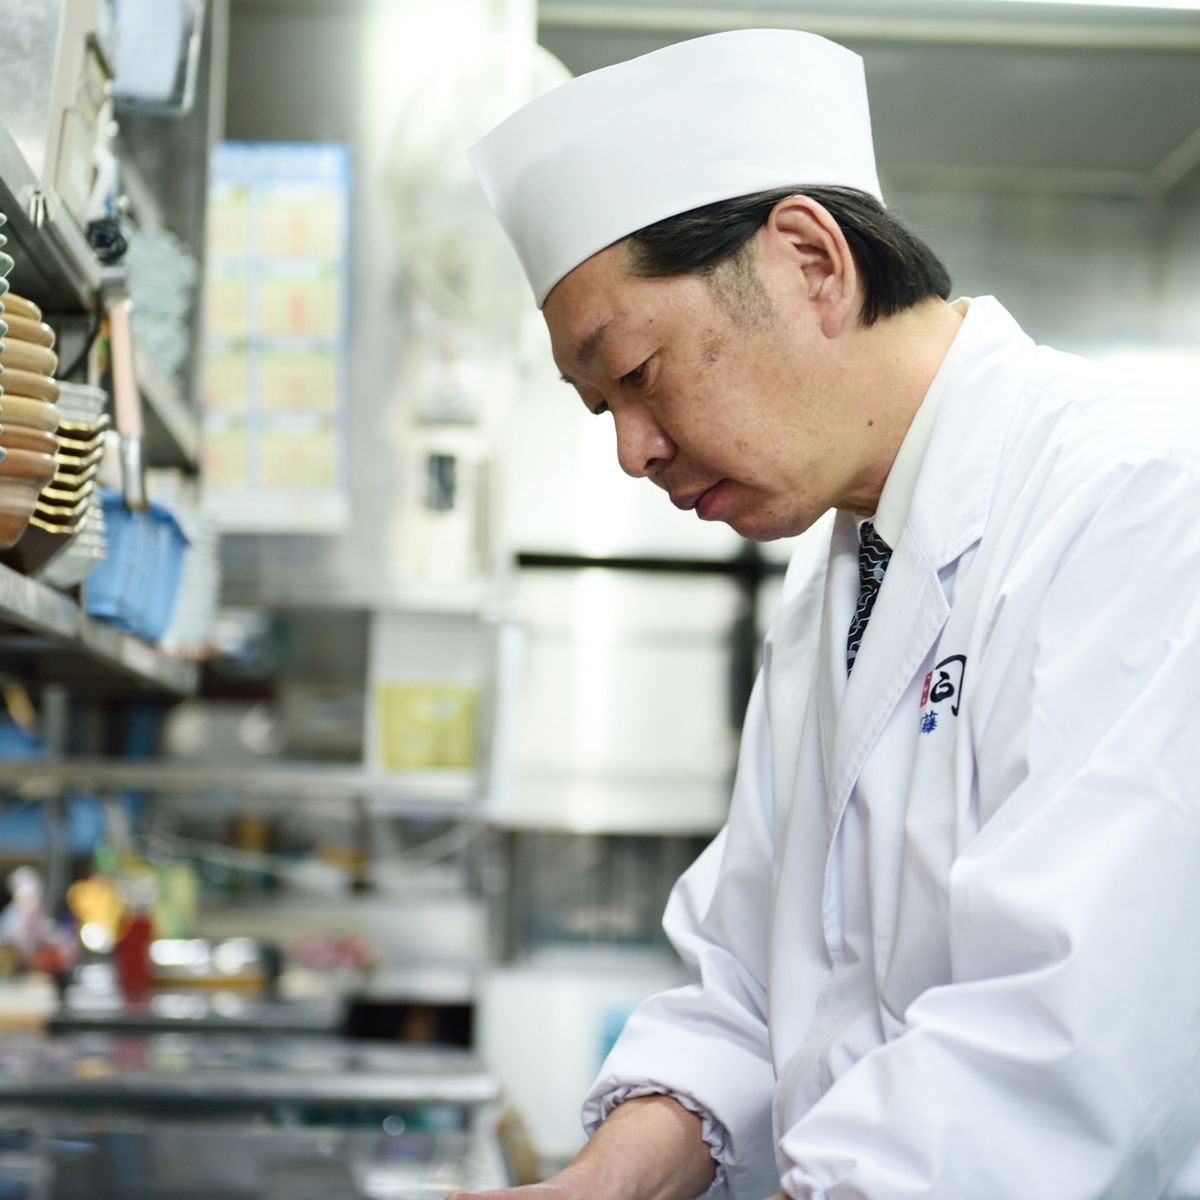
{"type": "Point", "coordinates": [67, 1159]}
{"type": "Point", "coordinates": [198, 1011]}
{"type": "Point", "coordinates": [204, 1116]}
{"type": "Point", "coordinates": [234, 1071]}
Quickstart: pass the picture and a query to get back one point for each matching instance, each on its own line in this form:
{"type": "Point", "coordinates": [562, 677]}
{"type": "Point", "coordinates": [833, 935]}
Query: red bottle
{"type": "Point", "coordinates": [132, 955]}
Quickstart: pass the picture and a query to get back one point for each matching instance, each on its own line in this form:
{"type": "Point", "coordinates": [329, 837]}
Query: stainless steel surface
{"type": "Point", "coordinates": [32, 607]}
{"type": "Point", "coordinates": [197, 1011]}
{"type": "Point", "coordinates": [450, 794]}
{"type": "Point", "coordinates": [183, 40]}
{"type": "Point", "coordinates": [1176, 34]}
{"type": "Point", "coordinates": [233, 1070]}
{"type": "Point", "coordinates": [133, 472]}
{"type": "Point", "coordinates": [27, 54]}
{"type": "Point", "coordinates": [65, 1159]}
{"type": "Point", "coordinates": [1068, 99]}
{"type": "Point", "coordinates": [55, 265]}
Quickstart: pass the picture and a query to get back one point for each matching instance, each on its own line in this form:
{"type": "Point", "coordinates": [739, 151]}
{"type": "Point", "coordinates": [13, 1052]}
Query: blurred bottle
{"type": "Point", "coordinates": [132, 956]}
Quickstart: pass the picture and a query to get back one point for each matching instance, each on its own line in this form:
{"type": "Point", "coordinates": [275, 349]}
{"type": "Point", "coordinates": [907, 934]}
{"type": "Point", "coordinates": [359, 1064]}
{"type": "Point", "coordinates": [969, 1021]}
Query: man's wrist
{"type": "Point", "coordinates": [649, 1148]}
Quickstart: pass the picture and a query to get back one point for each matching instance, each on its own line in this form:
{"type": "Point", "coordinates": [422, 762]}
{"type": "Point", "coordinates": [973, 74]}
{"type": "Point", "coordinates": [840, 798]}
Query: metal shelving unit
{"type": "Point", "coordinates": [449, 793]}
{"type": "Point", "coordinates": [56, 269]}
{"type": "Point", "coordinates": [46, 636]}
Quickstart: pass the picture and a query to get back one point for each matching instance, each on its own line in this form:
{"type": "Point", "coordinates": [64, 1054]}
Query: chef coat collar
{"type": "Point", "coordinates": [896, 498]}
{"type": "Point", "coordinates": [953, 495]}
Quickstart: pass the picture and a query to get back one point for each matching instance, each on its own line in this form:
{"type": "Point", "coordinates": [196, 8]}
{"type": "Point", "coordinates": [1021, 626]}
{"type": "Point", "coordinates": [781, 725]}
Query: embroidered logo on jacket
{"type": "Point", "coordinates": [944, 682]}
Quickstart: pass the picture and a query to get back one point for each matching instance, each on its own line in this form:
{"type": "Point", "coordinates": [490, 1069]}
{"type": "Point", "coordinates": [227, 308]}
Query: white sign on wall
{"type": "Point", "coordinates": [276, 334]}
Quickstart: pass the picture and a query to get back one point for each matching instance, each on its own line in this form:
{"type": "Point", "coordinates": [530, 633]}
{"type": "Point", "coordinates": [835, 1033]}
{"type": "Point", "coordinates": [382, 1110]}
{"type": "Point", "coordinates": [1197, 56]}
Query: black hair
{"type": "Point", "coordinates": [898, 269]}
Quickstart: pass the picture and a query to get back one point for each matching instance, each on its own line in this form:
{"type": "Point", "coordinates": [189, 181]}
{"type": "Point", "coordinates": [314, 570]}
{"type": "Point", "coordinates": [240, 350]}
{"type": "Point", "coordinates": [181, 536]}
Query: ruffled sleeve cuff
{"type": "Point", "coordinates": [715, 1135]}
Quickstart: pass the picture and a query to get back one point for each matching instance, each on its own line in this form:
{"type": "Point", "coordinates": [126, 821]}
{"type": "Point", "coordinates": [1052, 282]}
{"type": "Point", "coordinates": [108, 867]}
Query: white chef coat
{"type": "Point", "coordinates": [896, 498]}
{"type": "Point", "coordinates": [1015, 1011]}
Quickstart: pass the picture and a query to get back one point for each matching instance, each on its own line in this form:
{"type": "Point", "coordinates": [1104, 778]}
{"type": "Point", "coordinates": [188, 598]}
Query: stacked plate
{"type": "Point", "coordinates": [81, 439]}
{"type": "Point", "coordinates": [195, 610]}
{"type": "Point", "coordinates": [27, 409]}
{"type": "Point", "coordinates": [63, 506]}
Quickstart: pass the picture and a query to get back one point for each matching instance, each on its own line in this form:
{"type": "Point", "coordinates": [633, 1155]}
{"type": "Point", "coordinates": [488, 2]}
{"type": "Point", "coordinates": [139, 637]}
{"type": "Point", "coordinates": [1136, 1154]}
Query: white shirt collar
{"type": "Point", "coordinates": [896, 498]}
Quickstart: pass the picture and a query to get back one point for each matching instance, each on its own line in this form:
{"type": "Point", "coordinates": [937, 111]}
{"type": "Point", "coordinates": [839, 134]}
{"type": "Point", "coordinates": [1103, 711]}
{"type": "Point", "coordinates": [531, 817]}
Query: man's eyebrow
{"type": "Point", "coordinates": [586, 350]}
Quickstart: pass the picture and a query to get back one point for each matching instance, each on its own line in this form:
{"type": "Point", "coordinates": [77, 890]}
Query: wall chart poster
{"type": "Point", "coordinates": [276, 329]}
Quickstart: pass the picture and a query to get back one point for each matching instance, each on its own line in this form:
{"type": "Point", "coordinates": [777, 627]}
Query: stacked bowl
{"type": "Point", "coordinates": [27, 410]}
{"type": "Point", "coordinates": [81, 440]}
{"type": "Point", "coordinates": [64, 505]}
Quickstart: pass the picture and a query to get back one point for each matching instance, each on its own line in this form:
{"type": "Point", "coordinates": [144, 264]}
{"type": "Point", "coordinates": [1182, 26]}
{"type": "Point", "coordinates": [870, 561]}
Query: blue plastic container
{"type": "Point", "coordinates": [158, 601]}
{"type": "Point", "coordinates": [138, 583]}
{"type": "Point", "coordinates": [106, 585]}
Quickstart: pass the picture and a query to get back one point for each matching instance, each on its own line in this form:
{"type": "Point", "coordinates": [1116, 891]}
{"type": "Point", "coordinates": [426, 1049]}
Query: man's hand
{"type": "Point", "coordinates": [648, 1149]}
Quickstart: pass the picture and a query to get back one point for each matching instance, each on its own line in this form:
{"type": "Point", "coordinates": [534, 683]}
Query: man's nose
{"type": "Point", "coordinates": [642, 445]}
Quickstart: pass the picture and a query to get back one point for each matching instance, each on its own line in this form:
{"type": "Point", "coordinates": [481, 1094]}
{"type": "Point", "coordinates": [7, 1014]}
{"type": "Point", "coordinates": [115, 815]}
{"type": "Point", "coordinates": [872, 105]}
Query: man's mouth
{"type": "Point", "coordinates": [704, 502]}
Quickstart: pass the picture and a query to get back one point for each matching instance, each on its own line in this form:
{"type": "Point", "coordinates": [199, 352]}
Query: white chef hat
{"type": "Point", "coordinates": [704, 120]}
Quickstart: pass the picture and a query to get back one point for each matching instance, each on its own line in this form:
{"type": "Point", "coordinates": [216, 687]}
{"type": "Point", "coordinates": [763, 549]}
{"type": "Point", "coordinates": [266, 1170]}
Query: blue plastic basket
{"type": "Point", "coordinates": [138, 583]}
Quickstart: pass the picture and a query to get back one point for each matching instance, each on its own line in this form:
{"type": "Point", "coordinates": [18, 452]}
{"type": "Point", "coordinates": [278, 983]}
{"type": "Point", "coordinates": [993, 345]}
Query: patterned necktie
{"type": "Point", "coordinates": [873, 556]}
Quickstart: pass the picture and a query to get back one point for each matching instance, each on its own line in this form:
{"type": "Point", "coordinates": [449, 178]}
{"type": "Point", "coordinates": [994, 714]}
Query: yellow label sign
{"type": "Point", "coordinates": [426, 725]}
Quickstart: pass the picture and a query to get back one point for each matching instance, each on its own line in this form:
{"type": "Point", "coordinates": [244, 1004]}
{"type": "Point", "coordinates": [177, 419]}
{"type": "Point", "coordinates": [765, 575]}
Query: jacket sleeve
{"type": "Point", "coordinates": [1062, 1057]}
{"type": "Point", "coordinates": [707, 1043]}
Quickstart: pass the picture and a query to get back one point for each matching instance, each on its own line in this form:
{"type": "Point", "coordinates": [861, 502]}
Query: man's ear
{"type": "Point", "coordinates": [807, 248]}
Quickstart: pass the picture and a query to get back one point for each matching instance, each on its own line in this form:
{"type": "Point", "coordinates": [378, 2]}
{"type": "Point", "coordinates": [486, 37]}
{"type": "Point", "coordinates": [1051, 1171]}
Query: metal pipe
{"type": "Point", "coordinates": [850, 27]}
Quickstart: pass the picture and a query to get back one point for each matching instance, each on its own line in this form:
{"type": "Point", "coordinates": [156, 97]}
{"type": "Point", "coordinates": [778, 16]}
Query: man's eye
{"type": "Point", "coordinates": [635, 376]}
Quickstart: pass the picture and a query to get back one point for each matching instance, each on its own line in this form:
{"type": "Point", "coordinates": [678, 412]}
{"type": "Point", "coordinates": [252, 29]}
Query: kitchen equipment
{"type": "Point", "coordinates": [83, 428]}
{"type": "Point", "coordinates": [28, 464]}
{"type": "Point", "coordinates": [199, 587]}
{"type": "Point", "coordinates": [67, 509]}
{"type": "Point", "coordinates": [158, 54]}
{"type": "Point", "coordinates": [27, 367]}
{"type": "Point", "coordinates": [137, 584]}
{"type": "Point", "coordinates": [66, 566]}
{"type": "Point", "coordinates": [163, 274]}
{"type": "Point", "coordinates": [23, 474]}
{"type": "Point", "coordinates": [227, 1071]}
{"type": "Point", "coordinates": [37, 332]}
{"type": "Point", "coordinates": [393, 1157]}
{"type": "Point", "coordinates": [15, 305]}
{"type": "Point", "coordinates": [197, 1010]}
{"type": "Point", "coordinates": [38, 411]}
{"type": "Point", "coordinates": [234, 962]}
{"type": "Point", "coordinates": [623, 716]}
{"type": "Point", "coordinates": [56, 63]}
{"type": "Point", "coordinates": [19, 437]}
{"type": "Point", "coordinates": [82, 405]}
{"type": "Point", "coordinates": [127, 398]}
{"type": "Point", "coordinates": [27, 356]}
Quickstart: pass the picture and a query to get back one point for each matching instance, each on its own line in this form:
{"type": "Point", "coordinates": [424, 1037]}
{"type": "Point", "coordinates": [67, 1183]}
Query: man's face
{"type": "Point", "coordinates": [734, 413]}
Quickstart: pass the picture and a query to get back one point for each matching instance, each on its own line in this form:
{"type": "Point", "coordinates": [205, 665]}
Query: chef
{"type": "Point", "coordinates": [948, 944]}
